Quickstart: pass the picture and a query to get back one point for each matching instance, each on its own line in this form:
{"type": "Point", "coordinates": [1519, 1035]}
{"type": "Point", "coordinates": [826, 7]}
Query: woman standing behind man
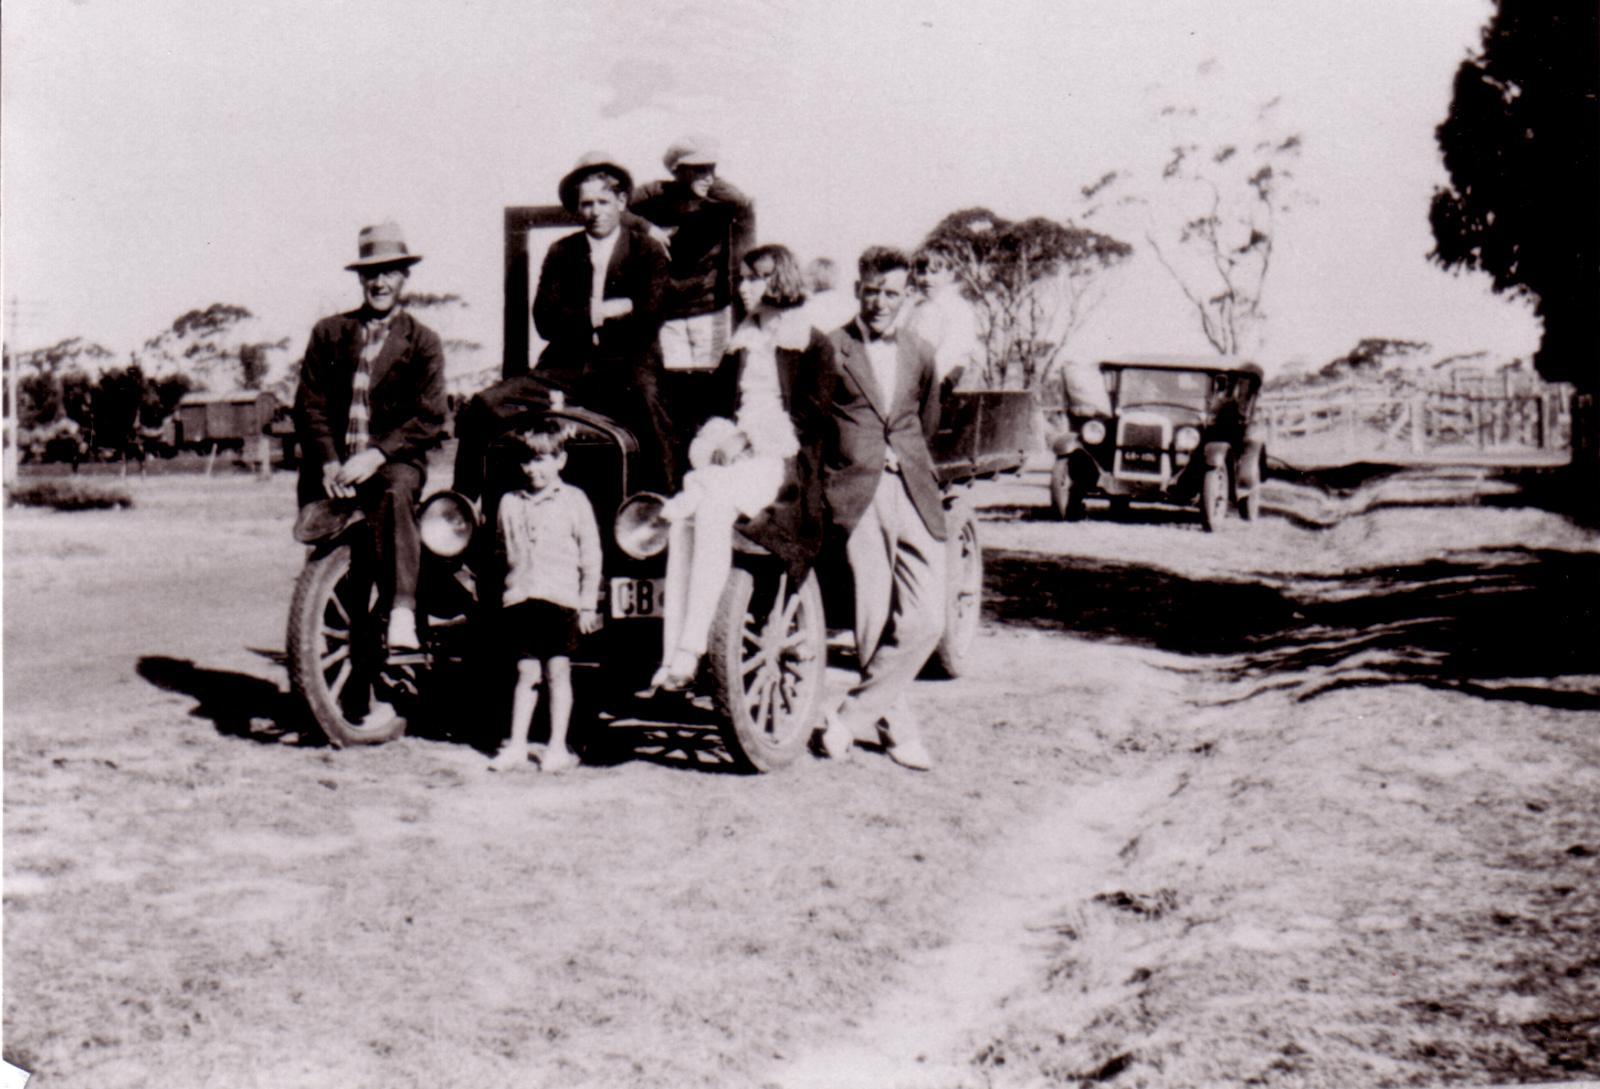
{"type": "Point", "coordinates": [762, 464]}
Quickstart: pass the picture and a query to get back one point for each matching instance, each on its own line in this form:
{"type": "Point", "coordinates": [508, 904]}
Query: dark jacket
{"type": "Point", "coordinates": [864, 428]}
{"type": "Point", "coordinates": [708, 238]}
{"type": "Point", "coordinates": [794, 526]}
{"type": "Point", "coordinates": [576, 349]}
{"type": "Point", "coordinates": [406, 397]}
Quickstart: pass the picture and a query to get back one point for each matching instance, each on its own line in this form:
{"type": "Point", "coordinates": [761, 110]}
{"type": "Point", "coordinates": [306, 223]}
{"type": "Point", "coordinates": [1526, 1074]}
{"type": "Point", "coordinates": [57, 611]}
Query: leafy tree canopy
{"type": "Point", "coordinates": [1520, 144]}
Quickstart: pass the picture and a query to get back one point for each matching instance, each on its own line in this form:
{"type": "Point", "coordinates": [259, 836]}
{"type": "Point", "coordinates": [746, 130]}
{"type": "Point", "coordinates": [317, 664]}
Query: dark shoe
{"type": "Point", "coordinates": [325, 519]}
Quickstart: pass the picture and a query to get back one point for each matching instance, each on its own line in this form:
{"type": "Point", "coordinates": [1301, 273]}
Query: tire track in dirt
{"type": "Point", "coordinates": [924, 1035]}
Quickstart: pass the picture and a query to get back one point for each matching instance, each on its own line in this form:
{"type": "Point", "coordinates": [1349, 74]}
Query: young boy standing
{"type": "Point", "coordinates": [552, 548]}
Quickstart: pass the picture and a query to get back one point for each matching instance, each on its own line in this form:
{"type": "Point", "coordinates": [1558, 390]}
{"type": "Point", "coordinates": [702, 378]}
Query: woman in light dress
{"type": "Point", "coordinates": [761, 464]}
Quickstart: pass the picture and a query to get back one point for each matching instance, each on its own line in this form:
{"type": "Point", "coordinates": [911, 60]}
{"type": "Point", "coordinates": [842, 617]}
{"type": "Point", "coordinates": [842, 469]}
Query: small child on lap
{"type": "Point", "coordinates": [552, 548]}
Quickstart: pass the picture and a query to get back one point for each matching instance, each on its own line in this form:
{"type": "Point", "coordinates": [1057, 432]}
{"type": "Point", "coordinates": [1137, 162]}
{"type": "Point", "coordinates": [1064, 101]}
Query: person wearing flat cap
{"type": "Point", "coordinates": [709, 225]}
{"type": "Point", "coordinates": [598, 307]}
{"type": "Point", "coordinates": [370, 405]}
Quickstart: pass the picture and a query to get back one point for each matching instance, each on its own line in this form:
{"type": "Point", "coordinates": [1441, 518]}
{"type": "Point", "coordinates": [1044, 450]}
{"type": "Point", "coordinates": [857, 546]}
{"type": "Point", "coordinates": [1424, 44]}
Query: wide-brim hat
{"type": "Point", "coordinates": [593, 162]}
{"type": "Point", "coordinates": [382, 244]}
{"type": "Point", "coordinates": [691, 151]}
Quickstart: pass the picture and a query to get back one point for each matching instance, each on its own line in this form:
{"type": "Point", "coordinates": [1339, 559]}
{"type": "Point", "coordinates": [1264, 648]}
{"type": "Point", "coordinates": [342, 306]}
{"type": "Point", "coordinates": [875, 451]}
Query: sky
{"type": "Point", "coordinates": [161, 155]}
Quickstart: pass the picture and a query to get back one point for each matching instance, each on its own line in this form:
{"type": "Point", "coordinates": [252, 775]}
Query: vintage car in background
{"type": "Point", "coordinates": [764, 674]}
{"type": "Point", "coordinates": [1172, 430]}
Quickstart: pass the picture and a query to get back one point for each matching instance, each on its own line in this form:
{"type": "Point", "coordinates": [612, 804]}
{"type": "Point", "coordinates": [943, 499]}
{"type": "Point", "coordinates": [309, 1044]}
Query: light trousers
{"type": "Point", "coordinates": [899, 570]}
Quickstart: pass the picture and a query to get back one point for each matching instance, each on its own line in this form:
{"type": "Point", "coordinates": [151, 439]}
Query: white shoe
{"type": "Point", "coordinates": [837, 738]}
{"type": "Point", "coordinates": [403, 629]}
{"type": "Point", "coordinates": [904, 736]}
{"type": "Point", "coordinates": [911, 753]}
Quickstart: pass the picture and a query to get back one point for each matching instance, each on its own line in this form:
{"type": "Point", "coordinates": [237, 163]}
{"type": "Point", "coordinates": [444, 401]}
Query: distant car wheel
{"type": "Point", "coordinates": [1214, 498]}
{"type": "Point", "coordinates": [1121, 508]}
{"type": "Point", "coordinates": [329, 675]}
{"type": "Point", "coordinates": [1063, 498]}
{"type": "Point", "coordinates": [768, 667]}
{"type": "Point", "coordinates": [1248, 484]}
{"type": "Point", "coordinates": [963, 577]}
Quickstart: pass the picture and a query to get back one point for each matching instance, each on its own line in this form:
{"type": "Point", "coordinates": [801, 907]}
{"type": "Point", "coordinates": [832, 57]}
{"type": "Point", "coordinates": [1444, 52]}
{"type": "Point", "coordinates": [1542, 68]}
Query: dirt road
{"type": "Point", "coordinates": [1295, 806]}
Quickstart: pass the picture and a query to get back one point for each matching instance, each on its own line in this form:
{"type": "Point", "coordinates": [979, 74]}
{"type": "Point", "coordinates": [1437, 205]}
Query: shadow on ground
{"type": "Point", "coordinates": [676, 732]}
{"type": "Point", "coordinates": [1508, 623]}
{"type": "Point", "coordinates": [238, 704]}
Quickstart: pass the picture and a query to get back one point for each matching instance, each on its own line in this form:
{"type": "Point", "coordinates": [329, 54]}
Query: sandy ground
{"type": "Point", "coordinates": [1288, 806]}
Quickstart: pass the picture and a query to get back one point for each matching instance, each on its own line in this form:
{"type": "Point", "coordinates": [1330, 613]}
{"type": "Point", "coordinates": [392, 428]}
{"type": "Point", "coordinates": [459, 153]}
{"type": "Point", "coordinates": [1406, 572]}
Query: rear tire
{"type": "Point", "coordinates": [1214, 498]}
{"type": "Point", "coordinates": [768, 671]}
{"type": "Point", "coordinates": [320, 644]}
{"type": "Point", "coordinates": [1068, 507]}
{"type": "Point", "coordinates": [963, 577]}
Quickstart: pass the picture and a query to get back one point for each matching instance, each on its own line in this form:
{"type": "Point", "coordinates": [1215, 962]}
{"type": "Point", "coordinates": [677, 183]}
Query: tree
{"type": "Point", "coordinates": [1212, 219]}
{"type": "Point", "coordinates": [1033, 283]}
{"type": "Point", "coordinates": [1370, 356]}
{"type": "Point", "coordinates": [1522, 146]}
{"type": "Point", "coordinates": [1235, 200]}
{"type": "Point", "coordinates": [48, 375]}
{"type": "Point", "coordinates": [208, 347]}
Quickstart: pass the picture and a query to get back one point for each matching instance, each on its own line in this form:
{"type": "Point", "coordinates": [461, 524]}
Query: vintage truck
{"type": "Point", "coordinates": [1172, 430]}
{"type": "Point", "coordinates": [766, 663]}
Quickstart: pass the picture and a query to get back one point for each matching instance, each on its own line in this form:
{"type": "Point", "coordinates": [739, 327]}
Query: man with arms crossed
{"type": "Point", "coordinates": [881, 489]}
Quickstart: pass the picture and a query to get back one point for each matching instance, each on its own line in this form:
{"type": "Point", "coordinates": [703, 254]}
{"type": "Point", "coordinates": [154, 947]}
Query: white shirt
{"type": "Point", "coordinates": [600, 250]}
{"type": "Point", "coordinates": [884, 355]}
{"type": "Point", "coordinates": [946, 320]}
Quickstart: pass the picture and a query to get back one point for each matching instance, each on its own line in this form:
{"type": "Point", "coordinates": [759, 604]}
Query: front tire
{"type": "Point", "coordinates": [1214, 498]}
{"type": "Point", "coordinates": [768, 669]}
{"type": "Point", "coordinates": [1067, 505]}
{"type": "Point", "coordinates": [328, 674]}
{"type": "Point", "coordinates": [1248, 483]}
{"type": "Point", "coordinates": [963, 577]}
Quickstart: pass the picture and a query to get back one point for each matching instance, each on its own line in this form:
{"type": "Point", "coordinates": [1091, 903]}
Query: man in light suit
{"type": "Point", "coordinates": [881, 489]}
{"type": "Point", "coordinates": [369, 407]}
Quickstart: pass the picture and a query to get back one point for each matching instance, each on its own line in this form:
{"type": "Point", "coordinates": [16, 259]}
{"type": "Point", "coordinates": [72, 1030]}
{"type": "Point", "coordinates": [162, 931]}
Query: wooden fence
{"type": "Point", "coordinates": [1420, 427]}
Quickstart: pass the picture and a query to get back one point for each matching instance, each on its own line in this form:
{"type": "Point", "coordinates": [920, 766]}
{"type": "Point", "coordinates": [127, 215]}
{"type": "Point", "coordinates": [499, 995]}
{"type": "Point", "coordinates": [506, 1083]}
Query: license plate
{"type": "Point", "coordinates": [636, 599]}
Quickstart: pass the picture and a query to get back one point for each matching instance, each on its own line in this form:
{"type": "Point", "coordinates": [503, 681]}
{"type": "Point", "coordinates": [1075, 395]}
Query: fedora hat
{"type": "Point", "coordinates": [382, 244]}
{"type": "Point", "coordinates": [691, 151]}
{"type": "Point", "coordinates": [592, 162]}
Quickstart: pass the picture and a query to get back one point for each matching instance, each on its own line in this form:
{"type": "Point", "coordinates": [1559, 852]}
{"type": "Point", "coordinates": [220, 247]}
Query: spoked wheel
{"type": "Point", "coordinates": [1247, 480]}
{"type": "Point", "coordinates": [1214, 494]}
{"type": "Point", "coordinates": [768, 666]}
{"type": "Point", "coordinates": [331, 669]}
{"type": "Point", "coordinates": [1067, 505]}
{"type": "Point", "coordinates": [963, 577]}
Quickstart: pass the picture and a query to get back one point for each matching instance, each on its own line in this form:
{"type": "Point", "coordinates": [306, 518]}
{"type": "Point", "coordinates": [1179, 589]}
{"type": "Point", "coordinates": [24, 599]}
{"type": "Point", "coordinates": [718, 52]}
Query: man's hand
{"type": "Point", "coordinates": [340, 481]}
{"type": "Point", "coordinates": [588, 621]}
{"type": "Point", "coordinates": [606, 309]}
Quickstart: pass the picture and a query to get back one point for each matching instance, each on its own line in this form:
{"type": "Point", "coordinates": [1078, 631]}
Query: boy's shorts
{"type": "Point", "coordinates": [538, 629]}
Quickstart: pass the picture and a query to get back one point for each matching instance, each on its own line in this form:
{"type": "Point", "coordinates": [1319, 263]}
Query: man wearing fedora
{"type": "Point", "coordinates": [709, 225]}
{"type": "Point", "coordinates": [598, 307]}
{"type": "Point", "coordinates": [370, 406]}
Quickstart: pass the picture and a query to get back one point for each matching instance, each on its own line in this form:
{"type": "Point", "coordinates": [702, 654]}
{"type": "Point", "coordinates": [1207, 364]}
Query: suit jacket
{"type": "Point", "coordinates": [406, 397]}
{"type": "Point", "coordinates": [793, 527]}
{"type": "Point", "coordinates": [620, 347]}
{"type": "Point", "coordinates": [865, 427]}
{"type": "Point", "coordinates": [708, 238]}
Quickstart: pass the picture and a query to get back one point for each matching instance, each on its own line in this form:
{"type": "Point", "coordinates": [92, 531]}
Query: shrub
{"type": "Point", "coordinates": [68, 495]}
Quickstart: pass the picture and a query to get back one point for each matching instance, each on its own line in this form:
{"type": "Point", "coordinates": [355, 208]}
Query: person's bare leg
{"type": "Point", "coordinates": [524, 700]}
{"type": "Point", "coordinates": [558, 757]}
